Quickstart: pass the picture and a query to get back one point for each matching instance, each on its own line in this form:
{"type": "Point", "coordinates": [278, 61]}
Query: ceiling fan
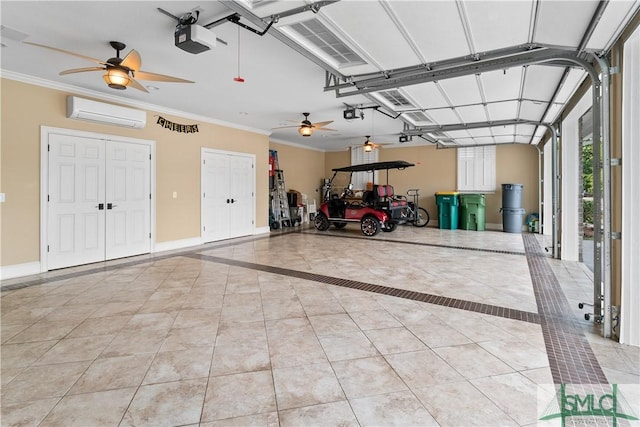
{"type": "Point", "coordinates": [120, 72]}
{"type": "Point", "coordinates": [369, 145]}
{"type": "Point", "coordinates": [306, 128]}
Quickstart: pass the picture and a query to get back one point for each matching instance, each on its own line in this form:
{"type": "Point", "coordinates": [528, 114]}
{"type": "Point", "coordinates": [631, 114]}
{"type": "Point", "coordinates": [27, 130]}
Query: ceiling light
{"type": "Point", "coordinates": [117, 78]}
{"type": "Point", "coordinates": [368, 148]}
{"type": "Point", "coordinates": [305, 130]}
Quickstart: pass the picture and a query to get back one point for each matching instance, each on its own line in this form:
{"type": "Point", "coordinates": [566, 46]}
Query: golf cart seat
{"type": "Point", "coordinates": [386, 199]}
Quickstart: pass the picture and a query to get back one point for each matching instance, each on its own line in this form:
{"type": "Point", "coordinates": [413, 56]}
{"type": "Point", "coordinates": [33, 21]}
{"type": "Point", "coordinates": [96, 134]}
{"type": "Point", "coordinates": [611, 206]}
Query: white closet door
{"type": "Point", "coordinates": [216, 203]}
{"type": "Point", "coordinates": [99, 204]}
{"type": "Point", "coordinates": [227, 195]}
{"type": "Point", "coordinates": [76, 191]}
{"type": "Point", "coordinates": [241, 192]}
{"type": "Point", "coordinates": [128, 204]}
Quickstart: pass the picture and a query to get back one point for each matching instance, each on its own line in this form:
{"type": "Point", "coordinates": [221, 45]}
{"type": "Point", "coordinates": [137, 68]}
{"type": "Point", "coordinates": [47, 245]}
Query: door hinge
{"type": "Point", "coordinates": [149, 196]}
{"type": "Point", "coordinates": [47, 248]}
{"type": "Point", "coordinates": [149, 156]}
{"type": "Point", "coordinates": [204, 162]}
{"type": "Point", "coordinates": [616, 235]}
{"type": "Point", "coordinates": [616, 161]}
{"type": "Point", "coordinates": [204, 228]}
{"type": "Point", "coordinates": [204, 195]}
{"type": "Point", "coordinates": [149, 235]}
{"type": "Point", "coordinates": [48, 198]}
{"type": "Point", "coordinates": [48, 147]}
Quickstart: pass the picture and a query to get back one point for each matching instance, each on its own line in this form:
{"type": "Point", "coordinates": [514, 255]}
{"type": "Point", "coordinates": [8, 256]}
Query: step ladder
{"type": "Point", "coordinates": [281, 215]}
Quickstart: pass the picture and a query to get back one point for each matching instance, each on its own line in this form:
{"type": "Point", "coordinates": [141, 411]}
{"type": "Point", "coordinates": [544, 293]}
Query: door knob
{"type": "Point", "coordinates": [228, 201]}
{"type": "Point", "coordinates": [111, 206]}
{"type": "Point", "coordinates": [100, 206]}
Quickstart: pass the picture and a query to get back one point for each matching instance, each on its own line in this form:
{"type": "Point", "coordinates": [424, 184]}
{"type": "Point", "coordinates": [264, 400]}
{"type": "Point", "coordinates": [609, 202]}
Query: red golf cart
{"type": "Point", "coordinates": [376, 209]}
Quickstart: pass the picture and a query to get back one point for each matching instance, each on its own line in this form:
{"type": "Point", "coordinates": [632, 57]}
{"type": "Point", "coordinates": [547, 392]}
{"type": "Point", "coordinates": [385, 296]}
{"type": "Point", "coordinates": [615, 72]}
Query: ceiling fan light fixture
{"type": "Point", "coordinates": [305, 130]}
{"type": "Point", "coordinates": [368, 147]}
{"type": "Point", "coordinates": [117, 78]}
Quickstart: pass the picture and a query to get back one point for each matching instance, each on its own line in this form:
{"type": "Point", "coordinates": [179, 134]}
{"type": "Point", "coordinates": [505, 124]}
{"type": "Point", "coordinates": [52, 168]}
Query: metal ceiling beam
{"type": "Point", "coordinates": [475, 125]}
{"type": "Point", "coordinates": [491, 61]}
{"type": "Point", "coordinates": [602, 6]}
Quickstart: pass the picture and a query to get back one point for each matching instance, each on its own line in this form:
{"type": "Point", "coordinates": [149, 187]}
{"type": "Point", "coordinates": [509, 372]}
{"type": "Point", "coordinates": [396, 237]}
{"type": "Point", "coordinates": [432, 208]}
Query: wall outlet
{"type": "Point", "coordinates": [175, 194]}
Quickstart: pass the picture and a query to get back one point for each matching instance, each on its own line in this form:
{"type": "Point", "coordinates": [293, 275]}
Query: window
{"type": "Point", "coordinates": [359, 157]}
{"type": "Point", "coordinates": [477, 168]}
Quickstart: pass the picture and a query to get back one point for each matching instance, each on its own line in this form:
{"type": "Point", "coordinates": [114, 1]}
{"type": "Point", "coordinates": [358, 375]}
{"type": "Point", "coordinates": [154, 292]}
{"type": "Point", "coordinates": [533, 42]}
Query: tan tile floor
{"type": "Point", "coordinates": [177, 339]}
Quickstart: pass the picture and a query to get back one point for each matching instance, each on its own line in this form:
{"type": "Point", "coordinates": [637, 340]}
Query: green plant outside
{"type": "Point", "coordinates": [587, 211]}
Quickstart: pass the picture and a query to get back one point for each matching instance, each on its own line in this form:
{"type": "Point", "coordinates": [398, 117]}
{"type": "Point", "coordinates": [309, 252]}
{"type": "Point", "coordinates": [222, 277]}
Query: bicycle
{"type": "Point", "coordinates": [413, 213]}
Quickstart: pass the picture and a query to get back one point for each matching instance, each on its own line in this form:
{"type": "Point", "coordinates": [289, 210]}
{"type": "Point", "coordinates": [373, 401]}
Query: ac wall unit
{"type": "Point", "coordinates": [99, 112]}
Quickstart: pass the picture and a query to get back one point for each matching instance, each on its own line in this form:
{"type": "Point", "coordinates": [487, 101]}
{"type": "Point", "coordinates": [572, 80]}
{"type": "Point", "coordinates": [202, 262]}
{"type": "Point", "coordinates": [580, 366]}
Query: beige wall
{"type": "Point", "coordinates": [435, 170]}
{"type": "Point", "coordinates": [25, 108]}
{"type": "Point", "coordinates": [303, 169]}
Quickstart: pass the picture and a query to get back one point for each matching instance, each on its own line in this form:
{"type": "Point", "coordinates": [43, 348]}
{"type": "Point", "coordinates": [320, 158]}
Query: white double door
{"type": "Point", "coordinates": [99, 200]}
{"type": "Point", "coordinates": [228, 201]}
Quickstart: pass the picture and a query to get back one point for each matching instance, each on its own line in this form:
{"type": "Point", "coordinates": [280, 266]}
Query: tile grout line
{"type": "Point", "coordinates": [505, 312]}
{"type": "Point", "coordinates": [571, 357]}
{"type": "Point", "coordinates": [149, 258]}
{"type": "Point", "coordinates": [406, 242]}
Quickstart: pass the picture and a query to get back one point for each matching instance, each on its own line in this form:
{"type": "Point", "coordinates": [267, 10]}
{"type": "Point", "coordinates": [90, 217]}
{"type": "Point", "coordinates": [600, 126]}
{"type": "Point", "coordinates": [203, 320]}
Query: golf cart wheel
{"type": "Point", "coordinates": [370, 225]}
{"type": "Point", "coordinates": [321, 222]}
{"type": "Point", "coordinates": [390, 226]}
{"type": "Point", "coordinates": [339, 224]}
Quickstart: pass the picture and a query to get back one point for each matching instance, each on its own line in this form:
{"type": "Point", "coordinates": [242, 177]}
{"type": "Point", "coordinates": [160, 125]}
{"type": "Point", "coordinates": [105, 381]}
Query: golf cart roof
{"type": "Point", "coordinates": [396, 164]}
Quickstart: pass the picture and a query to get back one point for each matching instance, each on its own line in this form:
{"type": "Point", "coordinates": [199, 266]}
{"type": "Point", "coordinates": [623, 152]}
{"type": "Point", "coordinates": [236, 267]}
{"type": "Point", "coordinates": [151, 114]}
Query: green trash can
{"type": "Point", "coordinates": [447, 202]}
{"type": "Point", "coordinates": [472, 212]}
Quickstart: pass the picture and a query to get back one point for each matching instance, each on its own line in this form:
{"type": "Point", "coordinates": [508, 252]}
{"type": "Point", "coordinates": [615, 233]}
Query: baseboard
{"type": "Point", "coordinates": [177, 244]}
{"type": "Point", "coordinates": [261, 230]}
{"type": "Point", "coordinates": [19, 270]}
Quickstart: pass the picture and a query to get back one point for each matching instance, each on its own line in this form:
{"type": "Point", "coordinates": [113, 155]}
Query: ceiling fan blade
{"type": "Point", "coordinates": [143, 75]}
{"type": "Point", "coordinates": [134, 83]}
{"type": "Point", "coordinates": [320, 124]}
{"type": "Point", "coordinates": [133, 61]}
{"type": "Point", "coordinates": [88, 58]}
{"type": "Point", "coordinates": [80, 70]}
{"type": "Point", "coordinates": [332, 130]}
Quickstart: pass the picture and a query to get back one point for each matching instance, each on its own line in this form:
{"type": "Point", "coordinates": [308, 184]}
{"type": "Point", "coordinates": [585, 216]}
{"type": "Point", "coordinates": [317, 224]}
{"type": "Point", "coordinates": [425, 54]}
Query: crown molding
{"type": "Point", "coordinates": [74, 90]}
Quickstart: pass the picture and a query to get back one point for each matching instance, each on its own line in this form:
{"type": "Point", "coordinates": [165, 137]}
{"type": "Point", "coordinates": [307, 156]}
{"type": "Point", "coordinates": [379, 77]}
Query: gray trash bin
{"type": "Point", "coordinates": [512, 219]}
{"type": "Point", "coordinates": [512, 195]}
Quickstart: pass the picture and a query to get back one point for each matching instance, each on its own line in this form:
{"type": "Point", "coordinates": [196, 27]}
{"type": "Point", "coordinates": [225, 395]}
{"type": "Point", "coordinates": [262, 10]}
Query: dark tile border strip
{"type": "Point", "coordinates": [571, 358]}
{"type": "Point", "coordinates": [407, 242]}
{"type": "Point", "coordinates": [492, 310]}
